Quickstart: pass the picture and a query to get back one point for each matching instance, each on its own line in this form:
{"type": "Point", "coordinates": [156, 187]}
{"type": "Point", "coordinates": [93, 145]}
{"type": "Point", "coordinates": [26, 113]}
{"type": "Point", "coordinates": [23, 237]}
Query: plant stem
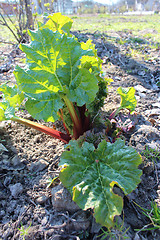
{"type": "Point", "coordinates": [61, 116]}
{"type": "Point", "coordinates": [49, 131]}
{"type": "Point", "coordinates": [74, 116]}
{"type": "Point", "coordinates": [114, 113]}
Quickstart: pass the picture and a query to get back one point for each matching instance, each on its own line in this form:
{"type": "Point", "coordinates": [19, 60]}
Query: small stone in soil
{"type": "Point", "coordinates": [16, 189]}
{"type": "Point", "coordinates": [62, 200]}
{"type": "Point", "coordinates": [5, 156]}
{"type": "Point", "coordinates": [16, 161]}
{"type": "Point", "coordinates": [142, 95]}
{"type": "Point", "coordinates": [141, 89]}
{"type": "Point", "coordinates": [3, 148]}
{"type": "Point", "coordinates": [44, 221]}
{"type": "Point", "coordinates": [2, 213]}
{"type": "Point", "coordinates": [7, 181]}
{"type": "Point", "coordinates": [81, 222]}
{"type": "Point", "coordinates": [41, 199]}
{"type": "Point", "coordinates": [156, 105]}
{"type": "Point", "coordinates": [38, 166]}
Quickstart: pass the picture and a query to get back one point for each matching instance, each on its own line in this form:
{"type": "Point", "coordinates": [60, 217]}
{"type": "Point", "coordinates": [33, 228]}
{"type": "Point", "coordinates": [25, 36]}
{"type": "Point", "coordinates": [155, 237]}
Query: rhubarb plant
{"type": "Point", "coordinates": [63, 80]}
{"type": "Point", "coordinates": [117, 122]}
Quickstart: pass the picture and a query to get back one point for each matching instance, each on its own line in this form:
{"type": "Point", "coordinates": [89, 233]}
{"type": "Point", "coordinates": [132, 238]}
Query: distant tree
{"type": "Point", "coordinates": [23, 20]}
{"type": "Point", "coordinates": [86, 6]}
{"type": "Point", "coordinates": [122, 6]}
{"type": "Point", "coordinates": [28, 10]}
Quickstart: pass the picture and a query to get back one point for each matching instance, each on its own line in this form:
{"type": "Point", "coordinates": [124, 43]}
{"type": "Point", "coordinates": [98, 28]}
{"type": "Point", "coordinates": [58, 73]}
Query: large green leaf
{"type": "Point", "coordinates": [90, 175]}
{"type": "Point", "coordinates": [128, 99]}
{"type": "Point", "coordinates": [54, 70]}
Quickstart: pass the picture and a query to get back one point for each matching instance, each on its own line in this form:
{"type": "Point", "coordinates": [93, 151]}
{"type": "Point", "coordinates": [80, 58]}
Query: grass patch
{"type": "Point", "coordinates": [139, 25]}
{"type": "Point", "coordinates": [142, 27]}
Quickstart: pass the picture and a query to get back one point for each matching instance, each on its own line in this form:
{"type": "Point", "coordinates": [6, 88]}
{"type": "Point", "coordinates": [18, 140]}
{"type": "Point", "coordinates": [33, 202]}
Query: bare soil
{"type": "Point", "coordinates": [28, 159]}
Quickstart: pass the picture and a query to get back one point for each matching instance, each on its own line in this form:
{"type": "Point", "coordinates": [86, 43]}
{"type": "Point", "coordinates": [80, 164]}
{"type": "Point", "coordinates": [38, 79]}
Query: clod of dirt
{"type": "Point", "coordinates": [80, 221]}
{"type": "Point", "coordinates": [11, 164]}
{"type": "Point", "coordinates": [144, 136]}
{"type": "Point", "coordinates": [16, 189]}
{"type": "Point", "coordinates": [38, 166]}
{"type": "Point", "coordinates": [42, 199]}
{"type": "Point", "coordinates": [3, 148]}
{"type": "Point", "coordinates": [62, 200]}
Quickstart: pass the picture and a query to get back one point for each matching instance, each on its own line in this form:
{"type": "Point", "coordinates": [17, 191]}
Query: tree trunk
{"type": "Point", "coordinates": [30, 22]}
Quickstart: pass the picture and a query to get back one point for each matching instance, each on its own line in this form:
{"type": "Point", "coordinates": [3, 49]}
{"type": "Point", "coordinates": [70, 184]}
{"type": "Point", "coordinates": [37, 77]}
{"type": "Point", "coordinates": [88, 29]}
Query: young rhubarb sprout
{"type": "Point", "coordinates": [128, 101]}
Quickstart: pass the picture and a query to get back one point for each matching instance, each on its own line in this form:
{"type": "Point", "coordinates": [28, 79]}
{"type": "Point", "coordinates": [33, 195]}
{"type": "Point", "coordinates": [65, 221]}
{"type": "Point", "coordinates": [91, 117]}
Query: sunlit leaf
{"type": "Point", "coordinates": [53, 71]}
{"type": "Point", "coordinates": [90, 175]}
{"type": "Point", "coordinates": [128, 99]}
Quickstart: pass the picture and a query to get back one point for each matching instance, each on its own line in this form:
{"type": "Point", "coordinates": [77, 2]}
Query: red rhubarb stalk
{"type": "Point", "coordinates": [49, 131]}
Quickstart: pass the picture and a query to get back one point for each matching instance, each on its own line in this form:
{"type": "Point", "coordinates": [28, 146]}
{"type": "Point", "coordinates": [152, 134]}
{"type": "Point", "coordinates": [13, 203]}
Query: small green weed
{"type": "Point", "coordinates": [148, 35]}
{"type": "Point", "coordinates": [129, 71]}
{"type": "Point", "coordinates": [117, 232]}
{"type": "Point", "coordinates": [24, 232]}
{"type": "Point", "coordinates": [133, 53]}
{"type": "Point", "coordinates": [153, 215]}
{"type": "Point", "coordinates": [136, 40]}
{"type": "Point", "coordinates": [121, 41]}
{"type": "Point", "coordinates": [83, 235]}
{"type": "Point", "coordinates": [151, 154]}
{"type": "Point", "coordinates": [74, 17]}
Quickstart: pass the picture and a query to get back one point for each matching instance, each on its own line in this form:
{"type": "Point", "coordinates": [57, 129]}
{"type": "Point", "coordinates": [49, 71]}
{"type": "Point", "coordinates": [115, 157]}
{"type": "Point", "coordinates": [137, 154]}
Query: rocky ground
{"type": "Point", "coordinates": [29, 159]}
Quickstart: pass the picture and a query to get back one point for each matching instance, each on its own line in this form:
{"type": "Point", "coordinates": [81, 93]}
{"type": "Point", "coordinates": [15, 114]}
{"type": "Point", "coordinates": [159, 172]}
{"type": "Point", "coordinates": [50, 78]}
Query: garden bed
{"type": "Point", "coordinates": [29, 159]}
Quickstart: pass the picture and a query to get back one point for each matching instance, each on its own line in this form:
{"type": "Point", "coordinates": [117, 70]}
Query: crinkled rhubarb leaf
{"type": "Point", "coordinates": [128, 99]}
{"type": "Point", "coordinates": [53, 72]}
{"type": "Point", "coordinates": [12, 99]}
{"type": "Point", "coordinates": [93, 63]}
{"type": "Point", "coordinates": [90, 175]}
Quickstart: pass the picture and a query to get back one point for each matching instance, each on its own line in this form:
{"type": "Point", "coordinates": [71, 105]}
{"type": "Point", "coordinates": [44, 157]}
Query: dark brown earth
{"type": "Point", "coordinates": [28, 159]}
